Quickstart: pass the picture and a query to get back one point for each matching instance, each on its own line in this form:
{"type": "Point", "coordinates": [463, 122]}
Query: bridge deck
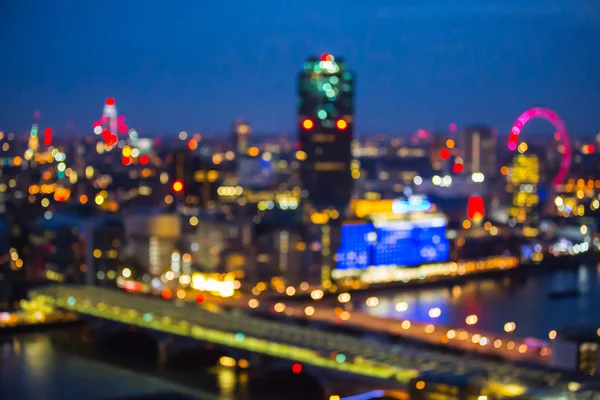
{"type": "Point", "coordinates": [366, 357]}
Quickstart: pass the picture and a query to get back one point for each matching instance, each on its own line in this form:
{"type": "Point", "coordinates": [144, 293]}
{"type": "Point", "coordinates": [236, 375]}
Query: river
{"type": "Point", "coordinates": [34, 367]}
{"type": "Point", "coordinates": [523, 300]}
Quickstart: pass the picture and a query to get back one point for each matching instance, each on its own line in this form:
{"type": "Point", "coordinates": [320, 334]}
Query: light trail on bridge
{"type": "Point", "coordinates": [367, 357]}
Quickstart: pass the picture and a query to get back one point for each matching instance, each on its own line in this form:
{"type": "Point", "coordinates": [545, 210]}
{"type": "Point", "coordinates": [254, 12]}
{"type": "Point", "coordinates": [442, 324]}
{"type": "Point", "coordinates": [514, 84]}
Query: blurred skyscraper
{"type": "Point", "coordinates": [241, 131]}
{"type": "Point", "coordinates": [325, 130]}
{"type": "Point", "coordinates": [478, 145]}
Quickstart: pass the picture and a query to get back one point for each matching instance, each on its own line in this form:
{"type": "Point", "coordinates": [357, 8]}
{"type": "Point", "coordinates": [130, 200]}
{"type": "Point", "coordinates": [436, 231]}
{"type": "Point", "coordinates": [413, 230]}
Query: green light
{"type": "Point", "coordinates": [322, 114]}
{"type": "Point", "coordinates": [239, 337]}
{"type": "Point", "coordinates": [147, 317]}
{"type": "Point", "coordinates": [71, 301]}
{"type": "Point", "coordinates": [340, 358]}
{"type": "Point", "coordinates": [326, 87]}
{"type": "Point", "coordinates": [60, 174]}
{"type": "Point", "coordinates": [317, 68]}
{"type": "Point", "coordinates": [334, 80]}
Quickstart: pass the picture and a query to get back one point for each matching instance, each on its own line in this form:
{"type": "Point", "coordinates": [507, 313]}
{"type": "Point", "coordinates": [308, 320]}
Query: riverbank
{"type": "Point", "coordinates": [523, 269]}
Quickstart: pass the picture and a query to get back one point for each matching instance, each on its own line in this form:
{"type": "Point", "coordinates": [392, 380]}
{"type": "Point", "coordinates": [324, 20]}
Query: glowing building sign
{"type": "Point", "coordinates": [413, 204]}
{"type": "Point", "coordinates": [393, 242]}
{"type": "Point", "coordinates": [363, 208]}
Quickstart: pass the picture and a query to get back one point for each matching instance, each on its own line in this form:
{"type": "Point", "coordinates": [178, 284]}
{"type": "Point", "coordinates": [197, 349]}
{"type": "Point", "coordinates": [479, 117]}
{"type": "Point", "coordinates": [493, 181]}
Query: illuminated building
{"type": "Point", "coordinates": [194, 177]}
{"type": "Point", "coordinates": [222, 245]}
{"type": "Point", "coordinates": [240, 134]}
{"type": "Point", "coordinates": [56, 248]}
{"type": "Point", "coordinates": [325, 131]}
{"type": "Point", "coordinates": [522, 182]}
{"type": "Point", "coordinates": [478, 147]}
{"type": "Point", "coordinates": [439, 154]}
{"type": "Point", "coordinates": [402, 232]}
{"type": "Point", "coordinates": [4, 240]}
{"type": "Point", "coordinates": [152, 238]}
{"type": "Point", "coordinates": [576, 348]}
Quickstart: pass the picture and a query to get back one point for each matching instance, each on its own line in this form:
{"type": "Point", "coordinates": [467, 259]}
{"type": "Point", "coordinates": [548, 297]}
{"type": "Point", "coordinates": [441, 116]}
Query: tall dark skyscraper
{"type": "Point", "coordinates": [241, 131]}
{"type": "Point", "coordinates": [325, 130]}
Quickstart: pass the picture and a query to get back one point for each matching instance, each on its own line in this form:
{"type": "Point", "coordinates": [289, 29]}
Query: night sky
{"type": "Point", "coordinates": [196, 65]}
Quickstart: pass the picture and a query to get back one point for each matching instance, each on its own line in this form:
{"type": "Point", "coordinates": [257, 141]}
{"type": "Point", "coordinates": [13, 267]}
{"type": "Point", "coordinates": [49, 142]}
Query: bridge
{"type": "Point", "coordinates": [393, 363]}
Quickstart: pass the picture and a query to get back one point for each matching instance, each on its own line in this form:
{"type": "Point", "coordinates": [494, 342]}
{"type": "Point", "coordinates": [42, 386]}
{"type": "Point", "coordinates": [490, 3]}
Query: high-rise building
{"type": "Point", "coordinates": [522, 184]}
{"type": "Point", "coordinates": [325, 130]}
{"type": "Point", "coordinates": [478, 146]}
{"type": "Point", "coordinates": [241, 131]}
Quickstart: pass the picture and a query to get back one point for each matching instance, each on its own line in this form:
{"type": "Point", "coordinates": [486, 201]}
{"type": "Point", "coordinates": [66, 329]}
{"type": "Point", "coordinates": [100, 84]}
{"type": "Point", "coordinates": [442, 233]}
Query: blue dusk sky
{"type": "Point", "coordinates": [196, 65]}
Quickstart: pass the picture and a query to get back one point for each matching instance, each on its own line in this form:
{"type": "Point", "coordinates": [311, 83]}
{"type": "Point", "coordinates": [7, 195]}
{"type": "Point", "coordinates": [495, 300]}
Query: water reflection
{"type": "Point", "coordinates": [522, 300]}
{"type": "Point", "coordinates": [33, 367]}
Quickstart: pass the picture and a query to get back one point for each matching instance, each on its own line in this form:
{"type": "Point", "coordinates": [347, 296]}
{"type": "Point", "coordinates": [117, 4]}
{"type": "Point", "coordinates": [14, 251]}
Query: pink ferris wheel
{"type": "Point", "coordinates": [552, 117]}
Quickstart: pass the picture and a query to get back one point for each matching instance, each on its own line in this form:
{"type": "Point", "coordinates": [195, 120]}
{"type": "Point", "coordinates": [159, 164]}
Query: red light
{"type": "Point", "coordinates": [453, 127]}
{"type": "Point", "coordinates": [111, 140]}
{"type": "Point", "coordinates": [590, 148]}
{"type": "Point", "coordinates": [110, 101]}
{"type": "Point", "coordinates": [126, 160]}
{"type": "Point", "coordinates": [307, 124]}
{"type": "Point", "coordinates": [48, 132]}
{"type": "Point", "coordinates": [200, 297]}
{"type": "Point", "coordinates": [445, 154]}
{"type": "Point", "coordinates": [36, 114]}
{"type": "Point", "coordinates": [47, 140]}
{"type": "Point", "coordinates": [123, 128]}
{"type": "Point", "coordinates": [177, 186]}
{"type": "Point", "coordinates": [192, 144]}
{"type": "Point", "coordinates": [129, 285]}
{"type": "Point", "coordinates": [457, 168]}
{"type": "Point", "coordinates": [341, 124]}
{"type": "Point", "coordinates": [296, 368]}
{"type": "Point", "coordinates": [121, 119]}
{"type": "Point", "coordinates": [475, 207]}
{"type": "Point", "coordinates": [144, 159]}
{"type": "Point", "coordinates": [106, 134]}
{"type": "Point", "coordinates": [104, 119]}
{"type": "Point", "coordinates": [97, 123]}
{"type": "Point", "coordinates": [166, 294]}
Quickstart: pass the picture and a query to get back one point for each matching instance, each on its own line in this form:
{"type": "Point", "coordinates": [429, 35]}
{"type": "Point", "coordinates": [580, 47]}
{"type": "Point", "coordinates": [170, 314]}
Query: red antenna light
{"type": "Point", "coordinates": [341, 124]}
{"type": "Point", "coordinates": [327, 57]}
{"type": "Point", "coordinates": [177, 186]}
{"type": "Point", "coordinates": [110, 101]}
{"type": "Point", "coordinates": [48, 132]}
{"type": "Point", "coordinates": [47, 140]}
{"type": "Point", "coordinates": [307, 124]}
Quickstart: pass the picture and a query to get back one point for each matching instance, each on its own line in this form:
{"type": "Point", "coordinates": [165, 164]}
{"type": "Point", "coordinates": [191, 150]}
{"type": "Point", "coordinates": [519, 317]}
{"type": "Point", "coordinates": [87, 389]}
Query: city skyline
{"type": "Point", "coordinates": [421, 59]}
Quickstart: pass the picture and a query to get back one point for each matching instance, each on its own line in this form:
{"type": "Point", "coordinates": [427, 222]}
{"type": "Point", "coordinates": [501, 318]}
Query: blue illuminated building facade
{"type": "Point", "coordinates": [397, 240]}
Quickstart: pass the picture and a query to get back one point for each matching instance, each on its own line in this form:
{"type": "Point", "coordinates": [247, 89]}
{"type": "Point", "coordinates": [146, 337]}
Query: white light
{"type": "Point", "coordinates": [477, 177]}
{"type": "Point", "coordinates": [447, 181]}
{"type": "Point", "coordinates": [436, 180]}
{"type": "Point", "coordinates": [417, 180]}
